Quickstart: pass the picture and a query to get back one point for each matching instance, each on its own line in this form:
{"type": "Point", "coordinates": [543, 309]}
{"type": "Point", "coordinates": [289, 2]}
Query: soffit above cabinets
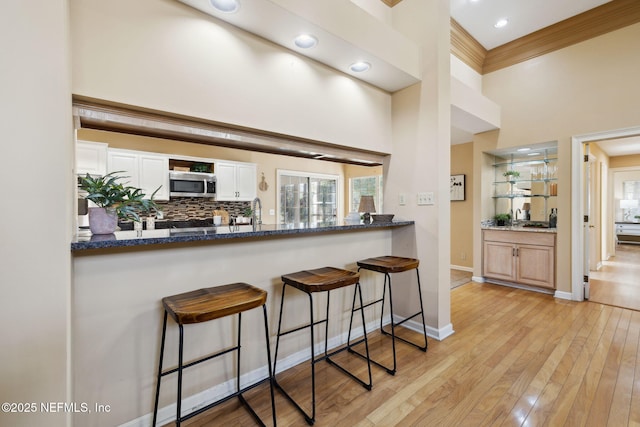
{"type": "Point", "coordinates": [357, 36]}
{"type": "Point", "coordinates": [157, 124]}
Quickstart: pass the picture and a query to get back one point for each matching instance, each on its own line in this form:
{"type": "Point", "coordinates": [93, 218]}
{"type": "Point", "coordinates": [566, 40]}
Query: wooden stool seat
{"type": "Point", "coordinates": [389, 264]}
{"type": "Point", "coordinates": [207, 304]}
{"type": "Point", "coordinates": [321, 279]}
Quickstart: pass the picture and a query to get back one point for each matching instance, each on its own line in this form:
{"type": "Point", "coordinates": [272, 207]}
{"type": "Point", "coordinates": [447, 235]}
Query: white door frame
{"type": "Point", "coordinates": [577, 202]}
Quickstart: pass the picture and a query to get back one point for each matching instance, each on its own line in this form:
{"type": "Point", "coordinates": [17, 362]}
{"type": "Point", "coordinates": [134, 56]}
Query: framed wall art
{"type": "Point", "coordinates": [457, 188]}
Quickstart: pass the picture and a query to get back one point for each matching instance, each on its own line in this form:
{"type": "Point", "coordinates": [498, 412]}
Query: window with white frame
{"type": "Point", "coordinates": [365, 186]}
{"type": "Point", "coordinates": [307, 198]}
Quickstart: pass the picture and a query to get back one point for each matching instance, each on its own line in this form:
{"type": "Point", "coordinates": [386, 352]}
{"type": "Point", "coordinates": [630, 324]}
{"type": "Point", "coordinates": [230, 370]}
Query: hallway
{"type": "Point", "coordinates": [617, 283]}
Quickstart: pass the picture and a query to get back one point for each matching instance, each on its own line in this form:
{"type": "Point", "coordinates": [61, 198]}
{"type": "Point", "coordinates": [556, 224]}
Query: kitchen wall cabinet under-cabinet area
{"type": "Point", "coordinates": [519, 257]}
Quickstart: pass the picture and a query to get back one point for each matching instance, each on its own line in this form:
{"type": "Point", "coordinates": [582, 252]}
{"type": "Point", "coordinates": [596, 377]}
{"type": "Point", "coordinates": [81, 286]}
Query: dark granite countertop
{"type": "Point", "coordinates": [130, 238]}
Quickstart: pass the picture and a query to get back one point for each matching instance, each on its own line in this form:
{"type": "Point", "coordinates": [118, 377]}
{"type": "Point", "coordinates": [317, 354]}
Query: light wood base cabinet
{"type": "Point", "coordinates": [520, 257]}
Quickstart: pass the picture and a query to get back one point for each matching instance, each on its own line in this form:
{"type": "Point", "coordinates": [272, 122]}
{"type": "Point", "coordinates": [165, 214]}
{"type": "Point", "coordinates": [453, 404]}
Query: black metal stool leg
{"type": "Point", "coordinates": [387, 281]}
{"type": "Point", "coordinates": [180, 354]}
{"type": "Point", "coordinates": [424, 324]}
{"type": "Point", "coordinates": [275, 356]}
{"type": "Point", "coordinates": [266, 335]}
{"type": "Point", "coordinates": [155, 406]}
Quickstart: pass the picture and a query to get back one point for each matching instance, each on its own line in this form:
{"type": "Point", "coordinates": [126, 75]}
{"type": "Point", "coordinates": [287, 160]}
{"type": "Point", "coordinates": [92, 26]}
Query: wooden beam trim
{"type": "Point", "coordinates": [592, 23]}
{"type": "Point", "coordinates": [466, 48]}
{"type": "Point", "coordinates": [391, 3]}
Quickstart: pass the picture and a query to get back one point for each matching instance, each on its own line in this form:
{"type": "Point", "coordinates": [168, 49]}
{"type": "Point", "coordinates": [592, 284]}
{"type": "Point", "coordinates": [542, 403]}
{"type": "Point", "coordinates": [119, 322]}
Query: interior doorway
{"type": "Point", "coordinates": [579, 280]}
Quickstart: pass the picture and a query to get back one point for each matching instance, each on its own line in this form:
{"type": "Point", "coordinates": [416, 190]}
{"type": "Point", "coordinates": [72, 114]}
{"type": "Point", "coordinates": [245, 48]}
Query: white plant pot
{"type": "Point", "coordinates": [102, 220]}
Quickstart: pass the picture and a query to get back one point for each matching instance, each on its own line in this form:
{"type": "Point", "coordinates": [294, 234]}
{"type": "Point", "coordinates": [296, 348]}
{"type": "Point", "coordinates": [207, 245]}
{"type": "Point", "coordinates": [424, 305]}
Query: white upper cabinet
{"type": "Point", "coordinates": [91, 158]}
{"type": "Point", "coordinates": [144, 170]}
{"type": "Point", "coordinates": [236, 181]}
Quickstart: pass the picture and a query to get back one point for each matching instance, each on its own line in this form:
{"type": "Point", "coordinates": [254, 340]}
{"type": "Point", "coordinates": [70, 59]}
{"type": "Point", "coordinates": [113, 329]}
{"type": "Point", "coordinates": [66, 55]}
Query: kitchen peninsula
{"type": "Point", "coordinates": [119, 283]}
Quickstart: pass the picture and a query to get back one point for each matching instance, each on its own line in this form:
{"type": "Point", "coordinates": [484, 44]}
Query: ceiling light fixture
{"type": "Point", "coordinates": [359, 67]}
{"type": "Point", "coordinates": [501, 23]}
{"type": "Point", "coordinates": [533, 154]}
{"type": "Point", "coordinates": [226, 6]}
{"type": "Point", "coordinates": [523, 149]}
{"type": "Point", "coordinates": [305, 41]}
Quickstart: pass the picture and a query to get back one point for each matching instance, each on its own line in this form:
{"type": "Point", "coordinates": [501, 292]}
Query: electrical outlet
{"type": "Point", "coordinates": [272, 212]}
{"type": "Point", "coordinates": [402, 199]}
{"type": "Point", "coordinates": [425, 198]}
{"type": "Point", "coordinates": [463, 256]}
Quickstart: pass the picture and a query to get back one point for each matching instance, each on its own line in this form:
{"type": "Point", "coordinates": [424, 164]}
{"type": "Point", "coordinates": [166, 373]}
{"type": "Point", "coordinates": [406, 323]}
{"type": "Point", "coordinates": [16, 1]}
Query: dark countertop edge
{"type": "Point", "coordinates": [520, 228]}
{"type": "Point", "coordinates": [129, 243]}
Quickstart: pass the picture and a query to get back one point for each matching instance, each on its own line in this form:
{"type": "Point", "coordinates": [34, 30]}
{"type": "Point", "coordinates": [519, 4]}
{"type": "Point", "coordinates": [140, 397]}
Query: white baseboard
{"type": "Point", "coordinates": [461, 268]}
{"type": "Point", "coordinates": [478, 279]}
{"type": "Point", "coordinates": [563, 295]}
{"type": "Point", "coordinates": [416, 326]}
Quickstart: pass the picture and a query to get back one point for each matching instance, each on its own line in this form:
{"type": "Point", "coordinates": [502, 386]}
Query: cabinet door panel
{"type": "Point", "coordinates": [154, 173]}
{"type": "Point", "coordinates": [499, 262]}
{"type": "Point", "coordinates": [226, 181]}
{"type": "Point", "coordinates": [246, 181]}
{"type": "Point", "coordinates": [126, 164]}
{"type": "Point", "coordinates": [536, 265]}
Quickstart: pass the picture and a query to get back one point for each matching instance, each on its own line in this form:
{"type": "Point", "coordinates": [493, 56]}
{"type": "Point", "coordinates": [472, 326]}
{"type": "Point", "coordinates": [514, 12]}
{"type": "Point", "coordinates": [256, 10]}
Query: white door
{"type": "Point", "coordinates": [588, 228]}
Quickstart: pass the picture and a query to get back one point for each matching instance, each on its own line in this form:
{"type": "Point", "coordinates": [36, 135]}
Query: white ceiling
{"type": "Point", "coordinates": [524, 16]}
{"type": "Point", "coordinates": [620, 146]}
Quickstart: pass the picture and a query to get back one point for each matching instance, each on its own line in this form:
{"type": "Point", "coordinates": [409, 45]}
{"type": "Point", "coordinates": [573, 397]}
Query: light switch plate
{"type": "Point", "coordinates": [272, 212]}
{"type": "Point", "coordinates": [425, 198]}
{"type": "Point", "coordinates": [402, 199]}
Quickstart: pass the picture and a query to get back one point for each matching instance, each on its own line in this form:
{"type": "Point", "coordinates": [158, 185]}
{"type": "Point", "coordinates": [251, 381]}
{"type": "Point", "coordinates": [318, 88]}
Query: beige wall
{"type": "Point", "coordinates": [35, 263]}
{"type": "Point", "coordinates": [588, 87]}
{"type": "Point", "coordinates": [625, 161]}
{"type": "Point", "coordinates": [173, 58]}
{"type": "Point", "coordinates": [462, 212]}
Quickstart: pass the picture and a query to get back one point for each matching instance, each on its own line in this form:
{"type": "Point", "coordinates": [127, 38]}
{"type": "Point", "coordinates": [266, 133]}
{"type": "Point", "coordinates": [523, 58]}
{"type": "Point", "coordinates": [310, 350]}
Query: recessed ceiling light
{"type": "Point", "coordinates": [305, 41]}
{"type": "Point", "coordinates": [533, 154]}
{"type": "Point", "coordinates": [524, 149]}
{"type": "Point", "coordinates": [501, 23]}
{"type": "Point", "coordinates": [226, 6]}
{"type": "Point", "coordinates": [359, 67]}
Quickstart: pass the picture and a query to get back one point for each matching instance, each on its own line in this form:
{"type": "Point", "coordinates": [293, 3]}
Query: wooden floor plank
{"type": "Point", "coordinates": [516, 358]}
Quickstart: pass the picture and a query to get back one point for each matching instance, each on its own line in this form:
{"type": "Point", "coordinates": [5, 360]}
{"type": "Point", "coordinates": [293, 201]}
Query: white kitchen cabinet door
{"type": "Point", "coordinates": [143, 170]}
{"type": "Point", "coordinates": [91, 158]}
{"type": "Point", "coordinates": [236, 181]}
{"type": "Point", "coordinates": [154, 173]}
{"type": "Point", "coordinates": [126, 163]}
{"type": "Point", "coordinates": [246, 181]}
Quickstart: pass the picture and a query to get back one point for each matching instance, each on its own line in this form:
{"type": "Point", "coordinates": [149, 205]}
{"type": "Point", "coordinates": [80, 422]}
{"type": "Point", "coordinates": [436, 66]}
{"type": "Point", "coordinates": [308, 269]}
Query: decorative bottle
{"type": "Point", "coordinates": [553, 218]}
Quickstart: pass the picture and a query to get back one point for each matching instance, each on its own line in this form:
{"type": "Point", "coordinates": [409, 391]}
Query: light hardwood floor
{"type": "Point", "coordinates": [517, 358]}
{"type": "Point", "coordinates": [618, 281]}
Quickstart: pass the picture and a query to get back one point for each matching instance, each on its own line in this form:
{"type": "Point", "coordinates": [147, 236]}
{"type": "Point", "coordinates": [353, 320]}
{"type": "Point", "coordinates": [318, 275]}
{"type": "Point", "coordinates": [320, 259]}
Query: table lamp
{"type": "Point", "coordinates": [628, 205]}
{"type": "Point", "coordinates": [366, 206]}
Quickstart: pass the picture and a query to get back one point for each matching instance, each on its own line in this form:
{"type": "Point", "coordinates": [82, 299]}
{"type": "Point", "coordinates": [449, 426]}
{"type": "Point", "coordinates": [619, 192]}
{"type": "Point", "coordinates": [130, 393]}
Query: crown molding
{"type": "Point", "coordinates": [466, 48]}
{"type": "Point", "coordinates": [592, 23]}
{"type": "Point", "coordinates": [391, 3]}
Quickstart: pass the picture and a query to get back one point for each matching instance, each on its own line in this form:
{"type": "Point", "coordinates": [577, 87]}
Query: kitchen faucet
{"type": "Point", "coordinates": [256, 219]}
{"type": "Point", "coordinates": [518, 210]}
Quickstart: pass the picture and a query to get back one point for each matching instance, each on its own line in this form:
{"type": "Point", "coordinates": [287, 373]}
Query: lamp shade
{"type": "Point", "coordinates": [366, 204]}
{"type": "Point", "coordinates": [628, 204]}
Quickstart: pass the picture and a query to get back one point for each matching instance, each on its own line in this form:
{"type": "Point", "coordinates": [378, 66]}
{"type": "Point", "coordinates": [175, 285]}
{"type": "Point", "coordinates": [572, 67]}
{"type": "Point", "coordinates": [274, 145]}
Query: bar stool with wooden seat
{"type": "Point", "coordinates": [310, 282]}
{"type": "Point", "coordinates": [204, 305]}
{"type": "Point", "coordinates": [389, 265]}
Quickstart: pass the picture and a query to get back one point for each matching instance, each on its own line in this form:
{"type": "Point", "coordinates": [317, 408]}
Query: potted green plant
{"type": "Point", "coordinates": [511, 175]}
{"type": "Point", "coordinates": [502, 219]}
{"type": "Point", "coordinates": [114, 200]}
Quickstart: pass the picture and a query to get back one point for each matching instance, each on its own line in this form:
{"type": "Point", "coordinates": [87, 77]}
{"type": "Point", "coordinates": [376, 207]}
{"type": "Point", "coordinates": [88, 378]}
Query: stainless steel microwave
{"type": "Point", "coordinates": [192, 184]}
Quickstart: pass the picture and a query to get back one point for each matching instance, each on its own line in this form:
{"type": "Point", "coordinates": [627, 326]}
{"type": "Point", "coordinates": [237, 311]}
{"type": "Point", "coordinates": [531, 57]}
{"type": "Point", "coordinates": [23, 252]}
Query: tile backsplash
{"type": "Point", "coordinates": [190, 208]}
